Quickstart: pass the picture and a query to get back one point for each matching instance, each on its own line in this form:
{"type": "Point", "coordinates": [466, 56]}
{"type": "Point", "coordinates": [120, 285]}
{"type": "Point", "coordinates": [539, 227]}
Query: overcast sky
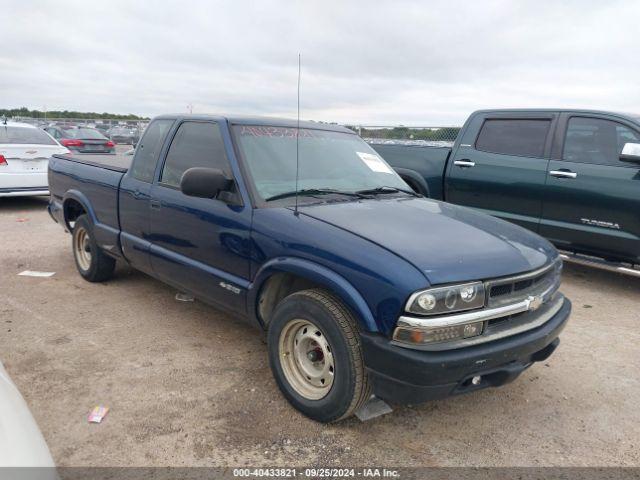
{"type": "Point", "coordinates": [371, 62]}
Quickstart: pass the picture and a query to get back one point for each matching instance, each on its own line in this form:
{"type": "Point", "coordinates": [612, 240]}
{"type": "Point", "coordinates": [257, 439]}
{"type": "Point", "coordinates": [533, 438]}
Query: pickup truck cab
{"type": "Point", "coordinates": [573, 176]}
{"type": "Point", "coordinates": [362, 285]}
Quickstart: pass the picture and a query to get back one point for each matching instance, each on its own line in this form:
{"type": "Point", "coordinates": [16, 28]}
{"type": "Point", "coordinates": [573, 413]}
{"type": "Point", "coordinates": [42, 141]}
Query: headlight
{"type": "Point", "coordinates": [443, 300]}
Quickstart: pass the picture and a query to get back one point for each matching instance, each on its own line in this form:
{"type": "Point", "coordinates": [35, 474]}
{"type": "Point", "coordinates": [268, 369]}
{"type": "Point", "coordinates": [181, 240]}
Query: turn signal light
{"type": "Point", "coordinates": [3, 161]}
{"type": "Point", "coordinates": [437, 334]}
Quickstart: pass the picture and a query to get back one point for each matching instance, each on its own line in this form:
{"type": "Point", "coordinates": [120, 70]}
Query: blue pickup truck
{"type": "Point", "coordinates": [362, 286]}
{"type": "Point", "coordinates": [572, 176]}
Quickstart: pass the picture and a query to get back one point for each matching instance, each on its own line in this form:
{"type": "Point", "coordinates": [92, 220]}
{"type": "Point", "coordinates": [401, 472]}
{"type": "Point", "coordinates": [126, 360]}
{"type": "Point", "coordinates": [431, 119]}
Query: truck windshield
{"type": "Point", "coordinates": [328, 160]}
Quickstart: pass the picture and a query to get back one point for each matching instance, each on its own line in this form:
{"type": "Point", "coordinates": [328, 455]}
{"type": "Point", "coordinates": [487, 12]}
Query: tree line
{"type": "Point", "coordinates": [25, 112]}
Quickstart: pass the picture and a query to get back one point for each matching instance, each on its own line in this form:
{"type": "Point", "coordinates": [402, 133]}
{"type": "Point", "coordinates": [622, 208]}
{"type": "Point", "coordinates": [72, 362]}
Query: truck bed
{"type": "Point", "coordinates": [422, 165]}
{"type": "Point", "coordinates": [93, 182]}
{"type": "Point", "coordinates": [119, 162]}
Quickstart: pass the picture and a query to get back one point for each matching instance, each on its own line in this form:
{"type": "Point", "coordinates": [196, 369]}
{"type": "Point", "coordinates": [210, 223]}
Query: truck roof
{"type": "Point", "coordinates": [261, 121]}
{"type": "Point", "coordinates": [634, 117]}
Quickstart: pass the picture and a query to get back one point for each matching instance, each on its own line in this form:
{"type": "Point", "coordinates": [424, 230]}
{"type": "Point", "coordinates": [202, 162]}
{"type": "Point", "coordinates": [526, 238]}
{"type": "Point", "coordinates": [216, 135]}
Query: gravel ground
{"type": "Point", "coordinates": [188, 385]}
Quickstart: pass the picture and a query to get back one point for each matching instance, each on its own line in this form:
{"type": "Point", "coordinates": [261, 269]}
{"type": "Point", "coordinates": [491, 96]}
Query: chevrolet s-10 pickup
{"type": "Point", "coordinates": [362, 286]}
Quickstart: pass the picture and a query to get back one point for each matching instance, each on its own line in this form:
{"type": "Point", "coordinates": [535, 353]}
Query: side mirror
{"type": "Point", "coordinates": [204, 182]}
{"type": "Point", "coordinates": [630, 152]}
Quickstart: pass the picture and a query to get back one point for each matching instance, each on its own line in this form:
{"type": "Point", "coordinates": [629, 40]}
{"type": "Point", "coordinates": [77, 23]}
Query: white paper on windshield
{"type": "Point", "coordinates": [374, 162]}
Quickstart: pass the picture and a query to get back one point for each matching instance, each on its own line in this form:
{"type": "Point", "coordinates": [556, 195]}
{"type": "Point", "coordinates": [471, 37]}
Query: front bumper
{"type": "Point", "coordinates": [403, 375]}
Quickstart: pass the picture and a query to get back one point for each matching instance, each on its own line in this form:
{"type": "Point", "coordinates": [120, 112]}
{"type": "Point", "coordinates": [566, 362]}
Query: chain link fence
{"type": "Point", "coordinates": [427, 136]}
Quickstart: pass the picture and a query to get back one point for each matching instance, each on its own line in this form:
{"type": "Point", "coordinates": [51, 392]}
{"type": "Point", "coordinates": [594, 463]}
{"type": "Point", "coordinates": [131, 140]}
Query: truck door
{"type": "Point", "coordinates": [592, 198]}
{"type": "Point", "coordinates": [135, 194]}
{"type": "Point", "coordinates": [200, 244]}
{"type": "Point", "coordinates": [501, 170]}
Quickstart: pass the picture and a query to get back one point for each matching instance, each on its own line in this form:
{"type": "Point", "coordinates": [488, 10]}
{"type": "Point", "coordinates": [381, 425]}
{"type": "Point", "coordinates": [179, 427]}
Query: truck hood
{"type": "Point", "coordinates": [448, 243]}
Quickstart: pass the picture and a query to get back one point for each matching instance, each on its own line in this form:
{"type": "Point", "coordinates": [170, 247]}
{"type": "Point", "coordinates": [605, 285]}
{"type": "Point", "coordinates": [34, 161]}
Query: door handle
{"type": "Point", "coordinates": [563, 174]}
{"type": "Point", "coordinates": [155, 204]}
{"type": "Point", "coordinates": [137, 194]}
{"type": "Point", "coordinates": [464, 163]}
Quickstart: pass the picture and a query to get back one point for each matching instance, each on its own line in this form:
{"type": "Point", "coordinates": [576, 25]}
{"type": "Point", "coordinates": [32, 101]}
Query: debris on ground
{"type": "Point", "coordinates": [35, 273]}
{"type": "Point", "coordinates": [374, 407]}
{"type": "Point", "coordinates": [184, 297]}
{"type": "Point", "coordinates": [97, 414]}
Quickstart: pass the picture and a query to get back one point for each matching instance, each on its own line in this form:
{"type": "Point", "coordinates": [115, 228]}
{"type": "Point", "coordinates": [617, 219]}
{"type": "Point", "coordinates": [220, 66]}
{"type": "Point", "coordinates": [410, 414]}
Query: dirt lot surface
{"type": "Point", "coordinates": [188, 385]}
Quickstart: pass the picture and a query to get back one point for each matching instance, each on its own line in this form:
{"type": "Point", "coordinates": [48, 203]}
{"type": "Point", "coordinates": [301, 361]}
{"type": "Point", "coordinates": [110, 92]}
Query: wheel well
{"type": "Point", "coordinates": [276, 288]}
{"type": "Point", "coordinates": [415, 186]}
{"type": "Point", "coordinates": [72, 210]}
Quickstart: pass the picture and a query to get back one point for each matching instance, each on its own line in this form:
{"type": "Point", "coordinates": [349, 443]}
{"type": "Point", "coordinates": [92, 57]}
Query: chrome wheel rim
{"type": "Point", "coordinates": [306, 359]}
{"type": "Point", "coordinates": [82, 248]}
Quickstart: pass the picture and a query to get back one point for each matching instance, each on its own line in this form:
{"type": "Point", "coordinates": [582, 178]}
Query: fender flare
{"type": "Point", "coordinates": [318, 274]}
{"type": "Point", "coordinates": [82, 200]}
{"type": "Point", "coordinates": [416, 178]}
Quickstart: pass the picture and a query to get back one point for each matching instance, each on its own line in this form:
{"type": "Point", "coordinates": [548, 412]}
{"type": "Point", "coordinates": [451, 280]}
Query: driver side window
{"type": "Point", "coordinates": [596, 141]}
{"type": "Point", "coordinates": [195, 144]}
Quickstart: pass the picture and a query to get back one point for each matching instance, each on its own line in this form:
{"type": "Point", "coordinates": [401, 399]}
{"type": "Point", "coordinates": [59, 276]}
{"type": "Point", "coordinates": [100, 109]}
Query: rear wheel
{"type": "Point", "coordinates": [315, 355]}
{"type": "Point", "coordinates": [92, 263]}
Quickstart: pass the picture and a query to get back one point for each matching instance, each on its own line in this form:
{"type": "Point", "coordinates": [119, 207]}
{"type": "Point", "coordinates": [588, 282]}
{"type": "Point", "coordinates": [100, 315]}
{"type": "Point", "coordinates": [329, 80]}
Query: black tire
{"type": "Point", "coordinates": [350, 386]}
{"type": "Point", "coordinates": [415, 187]}
{"type": "Point", "coordinates": [97, 266]}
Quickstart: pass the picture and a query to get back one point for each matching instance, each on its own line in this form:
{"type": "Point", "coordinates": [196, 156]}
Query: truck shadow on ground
{"type": "Point", "coordinates": [22, 204]}
{"type": "Point", "coordinates": [596, 278]}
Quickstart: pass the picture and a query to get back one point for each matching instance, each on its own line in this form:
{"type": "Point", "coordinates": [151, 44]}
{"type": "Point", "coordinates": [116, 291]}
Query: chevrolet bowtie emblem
{"type": "Point", "coordinates": [535, 302]}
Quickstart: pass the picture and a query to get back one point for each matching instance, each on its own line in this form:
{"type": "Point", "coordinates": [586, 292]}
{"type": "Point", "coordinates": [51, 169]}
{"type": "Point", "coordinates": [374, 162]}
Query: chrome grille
{"type": "Point", "coordinates": [504, 291]}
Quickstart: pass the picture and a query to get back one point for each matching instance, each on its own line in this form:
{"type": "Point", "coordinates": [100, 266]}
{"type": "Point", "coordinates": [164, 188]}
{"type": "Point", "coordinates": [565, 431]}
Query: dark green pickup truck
{"type": "Point", "coordinates": [573, 176]}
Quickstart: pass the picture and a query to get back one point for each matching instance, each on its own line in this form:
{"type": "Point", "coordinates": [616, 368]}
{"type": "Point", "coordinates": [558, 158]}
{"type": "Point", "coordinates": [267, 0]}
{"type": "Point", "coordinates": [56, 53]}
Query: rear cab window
{"type": "Point", "coordinates": [24, 136]}
{"type": "Point", "coordinates": [148, 150]}
{"type": "Point", "coordinates": [519, 137]}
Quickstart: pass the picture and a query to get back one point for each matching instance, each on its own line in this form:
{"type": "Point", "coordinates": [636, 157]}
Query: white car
{"type": "Point", "coordinates": [21, 442]}
{"type": "Point", "coordinates": [24, 157]}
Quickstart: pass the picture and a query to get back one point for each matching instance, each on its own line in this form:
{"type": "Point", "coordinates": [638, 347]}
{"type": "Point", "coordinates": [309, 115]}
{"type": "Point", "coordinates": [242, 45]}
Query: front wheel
{"type": "Point", "coordinates": [315, 355]}
{"type": "Point", "coordinates": [92, 263]}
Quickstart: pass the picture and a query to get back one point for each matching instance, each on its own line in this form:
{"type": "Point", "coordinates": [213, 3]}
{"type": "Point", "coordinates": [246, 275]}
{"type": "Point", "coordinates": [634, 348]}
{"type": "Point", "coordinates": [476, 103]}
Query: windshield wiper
{"type": "Point", "coordinates": [385, 189]}
{"type": "Point", "coordinates": [314, 191]}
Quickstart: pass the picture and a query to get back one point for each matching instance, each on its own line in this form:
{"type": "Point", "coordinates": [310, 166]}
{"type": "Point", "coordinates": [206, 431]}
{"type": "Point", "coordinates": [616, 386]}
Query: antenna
{"type": "Point", "coordinates": [295, 211]}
